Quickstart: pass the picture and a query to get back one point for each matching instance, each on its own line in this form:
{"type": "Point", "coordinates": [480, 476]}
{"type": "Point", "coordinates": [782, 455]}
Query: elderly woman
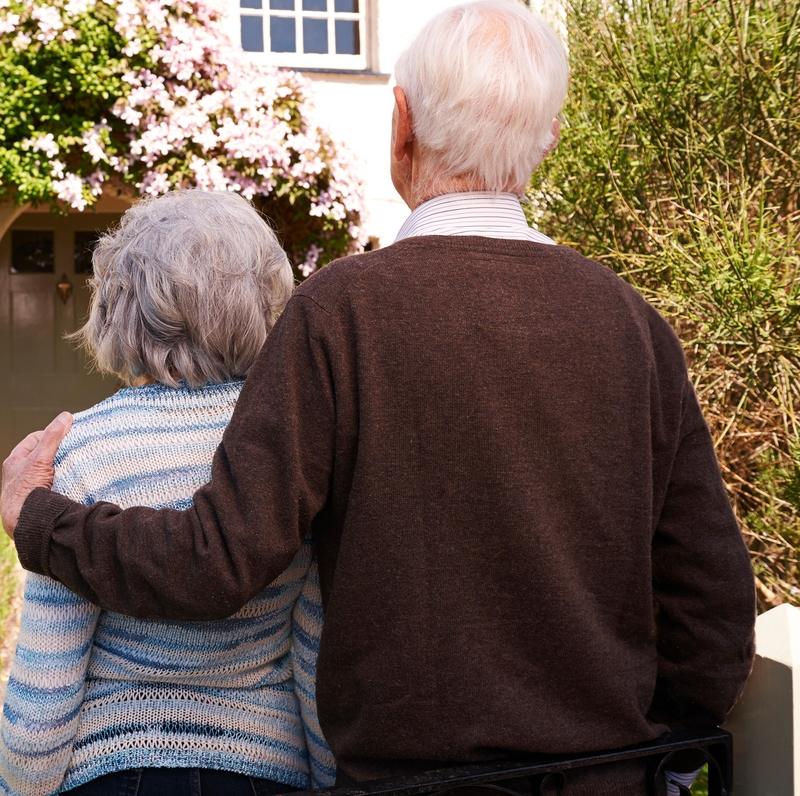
{"type": "Point", "coordinates": [184, 293]}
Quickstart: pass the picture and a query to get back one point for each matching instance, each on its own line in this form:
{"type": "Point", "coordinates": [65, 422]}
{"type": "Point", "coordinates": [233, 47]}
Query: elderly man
{"type": "Point", "coordinates": [496, 446]}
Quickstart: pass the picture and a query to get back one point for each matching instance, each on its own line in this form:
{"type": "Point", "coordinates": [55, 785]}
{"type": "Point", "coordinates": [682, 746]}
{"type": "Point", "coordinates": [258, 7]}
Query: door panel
{"type": "Point", "coordinates": [40, 372]}
{"type": "Point", "coordinates": [32, 332]}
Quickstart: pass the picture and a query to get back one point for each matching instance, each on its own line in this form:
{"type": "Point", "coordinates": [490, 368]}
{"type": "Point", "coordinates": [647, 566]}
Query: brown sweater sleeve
{"type": "Point", "coordinates": [270, 477]}
{"type": "Point", "coordinates": [703, 588]}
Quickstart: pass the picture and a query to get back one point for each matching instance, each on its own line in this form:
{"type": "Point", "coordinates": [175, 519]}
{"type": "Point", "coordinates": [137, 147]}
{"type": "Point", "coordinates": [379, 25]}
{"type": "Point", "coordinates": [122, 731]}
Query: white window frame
{"type": "Point", "coordinates": [299, 60]}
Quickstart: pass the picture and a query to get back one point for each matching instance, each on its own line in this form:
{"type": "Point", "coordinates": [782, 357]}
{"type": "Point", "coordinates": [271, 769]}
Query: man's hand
{"type": "Point", "coordinates": [30, 465]}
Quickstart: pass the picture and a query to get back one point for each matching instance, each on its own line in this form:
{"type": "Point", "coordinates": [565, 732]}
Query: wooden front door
{"type": "Point", "coordinates": [45, 262]}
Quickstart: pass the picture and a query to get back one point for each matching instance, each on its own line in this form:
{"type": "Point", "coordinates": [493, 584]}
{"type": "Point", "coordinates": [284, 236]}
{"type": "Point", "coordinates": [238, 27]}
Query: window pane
{"type": "Point", "coordinates": [346, 6]}
{"type": "Point", "coordinates": [250, 3]}
{"type": "Point", "coordinates": [252, 34]}
{"type": "Point", "coordinates": [315, 35]}
{"type": "Point", "coordinates": [347, 38]}
{"type": "Point", "coordinates": [31, 251]}
{"type": "Point", "coordinates": [315, 5]}
{"type": "Point", "coordinates": [282, 34]}
{"type": "Point", "coordinates": [282, 5]}
{"type": "Point", "coordinates": [84, 246]}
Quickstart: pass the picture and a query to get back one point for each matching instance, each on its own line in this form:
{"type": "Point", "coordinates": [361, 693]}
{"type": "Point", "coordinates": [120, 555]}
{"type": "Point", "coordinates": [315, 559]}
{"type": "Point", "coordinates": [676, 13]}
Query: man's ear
{"type": "Point", "coordinates": [555, 132]}
{"type": "Point", "coordinates": [403, 132]}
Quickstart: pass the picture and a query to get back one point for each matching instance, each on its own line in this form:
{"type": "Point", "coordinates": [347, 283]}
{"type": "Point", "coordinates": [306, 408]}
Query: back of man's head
{"type": "Point", "coordinates": [483, 82]}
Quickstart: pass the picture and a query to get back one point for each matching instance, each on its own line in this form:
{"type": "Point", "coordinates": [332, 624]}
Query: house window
{"type": "Point", "coordinates": [32, 251]}
{"type": "Point", "coordinates": [315, 34]}
{"type": "Point", "coordinates": [83, 251]}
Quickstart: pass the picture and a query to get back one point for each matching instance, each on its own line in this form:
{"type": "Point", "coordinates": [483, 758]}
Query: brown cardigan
{"type": "Point", "coordinates": [504, 465]}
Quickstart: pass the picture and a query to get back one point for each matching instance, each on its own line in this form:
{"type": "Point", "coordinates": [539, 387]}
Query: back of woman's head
{"type": "Point", "coordinates": [187, 287]}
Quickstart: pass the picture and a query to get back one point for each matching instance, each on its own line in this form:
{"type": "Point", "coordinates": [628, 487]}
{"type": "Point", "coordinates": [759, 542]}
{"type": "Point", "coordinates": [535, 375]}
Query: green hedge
{"type": "Point", "coordinates": [679, 167]}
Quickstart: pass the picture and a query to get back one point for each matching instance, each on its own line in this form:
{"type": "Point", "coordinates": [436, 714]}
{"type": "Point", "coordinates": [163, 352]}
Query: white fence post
{"type": "Point", "coordinates": [766, 722]}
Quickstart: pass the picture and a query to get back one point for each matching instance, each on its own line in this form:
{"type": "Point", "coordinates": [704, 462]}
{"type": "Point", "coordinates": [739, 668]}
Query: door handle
{"type": "Point", "coordinates": [64, 288]}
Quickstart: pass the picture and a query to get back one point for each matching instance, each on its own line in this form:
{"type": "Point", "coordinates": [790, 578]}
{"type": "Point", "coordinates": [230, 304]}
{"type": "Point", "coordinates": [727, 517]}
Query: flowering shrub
{"type": "Point", "coordinates": [152, 94]}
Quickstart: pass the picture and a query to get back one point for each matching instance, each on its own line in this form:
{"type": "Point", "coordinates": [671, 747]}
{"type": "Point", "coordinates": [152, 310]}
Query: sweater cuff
{"type": "Point", "coordinates": [35, 528]}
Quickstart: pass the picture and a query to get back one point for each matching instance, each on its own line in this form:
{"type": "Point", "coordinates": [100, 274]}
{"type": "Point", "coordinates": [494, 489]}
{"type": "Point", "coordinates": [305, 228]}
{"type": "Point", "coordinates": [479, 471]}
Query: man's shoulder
{"type": "Point", "coordinates": [594, 272]}
{"type": "Point", "coordinates": [612, 283]}
{"type": "Point", "coordinates": [333, 285]}
{"type": "Point", "coordinates": [607, 294]}
{"type": "Point", "coordinates": [343, 275]}
{"type": "Point", "coordinates": [327, 286]}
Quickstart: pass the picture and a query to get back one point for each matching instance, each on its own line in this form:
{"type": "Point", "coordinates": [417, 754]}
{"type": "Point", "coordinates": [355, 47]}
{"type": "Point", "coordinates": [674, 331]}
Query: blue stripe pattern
{"type": "Point", "coordinates": [93, 692]}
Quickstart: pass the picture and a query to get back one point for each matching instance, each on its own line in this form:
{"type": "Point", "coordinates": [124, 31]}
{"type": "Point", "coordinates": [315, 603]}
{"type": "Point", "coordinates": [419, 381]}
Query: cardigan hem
{"type": "Point", "coordinates": [169, 758]}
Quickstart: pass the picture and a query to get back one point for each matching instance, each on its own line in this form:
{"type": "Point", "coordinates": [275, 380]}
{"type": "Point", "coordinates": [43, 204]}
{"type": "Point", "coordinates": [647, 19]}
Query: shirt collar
{"type": "Point", "coordinates": [482, 213]}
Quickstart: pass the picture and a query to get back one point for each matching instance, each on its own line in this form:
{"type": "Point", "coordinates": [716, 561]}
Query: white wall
{"type": "Point", "coordinates": [358, 109]}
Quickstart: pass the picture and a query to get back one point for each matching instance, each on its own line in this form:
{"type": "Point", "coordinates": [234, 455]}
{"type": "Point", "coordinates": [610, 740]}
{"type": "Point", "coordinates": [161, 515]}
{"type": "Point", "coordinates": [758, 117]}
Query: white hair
{"type": "Point", "coordinates": [483, 82]}
{"type": "Point", "coordinates": [186, 287]}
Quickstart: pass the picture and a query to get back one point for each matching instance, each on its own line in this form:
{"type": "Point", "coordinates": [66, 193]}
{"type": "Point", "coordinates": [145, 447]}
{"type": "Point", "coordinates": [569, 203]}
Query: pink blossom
{"type": "Point", "coordinates": [8, 23]}
{"type": "Point", "coordinates": [74, 8]}
{"type": "Point", "coordinates": [43, 143]}
{"type": "Point", "coordinates": [312, 258]}
{"type": "Point", "coordinates": [155, 183]}
{"type": "Point", "coordinates": [95, 182]}
{"type": "Point", "coordinates": [70, 190]}
{"type": "Point", "coordinates": [50, 22]}
{"type": "Point", "coordinates": [93, 145]}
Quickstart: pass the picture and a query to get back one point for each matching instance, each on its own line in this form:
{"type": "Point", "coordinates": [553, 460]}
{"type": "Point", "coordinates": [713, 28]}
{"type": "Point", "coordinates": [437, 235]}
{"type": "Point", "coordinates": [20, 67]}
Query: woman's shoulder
{"type": "Point", "coordinates": [152, 407]}
{"type": "Point", "coordinates": [143, 431]}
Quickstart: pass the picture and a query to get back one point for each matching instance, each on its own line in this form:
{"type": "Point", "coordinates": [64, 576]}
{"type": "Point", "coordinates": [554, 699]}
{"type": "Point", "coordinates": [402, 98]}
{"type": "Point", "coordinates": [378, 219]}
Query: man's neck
{"type": "Point", "coordinates": [425, 193]}
{"type": "Point", "coordinates": [427, 185]}
{"type": "Point", "coordinates": [417, 177]}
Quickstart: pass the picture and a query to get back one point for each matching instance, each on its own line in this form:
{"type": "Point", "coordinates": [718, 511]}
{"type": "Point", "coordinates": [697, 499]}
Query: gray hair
{"type": "Point", "coordinates": [483, 83]}
{"type": "Point", "coordinates": [186, 287]}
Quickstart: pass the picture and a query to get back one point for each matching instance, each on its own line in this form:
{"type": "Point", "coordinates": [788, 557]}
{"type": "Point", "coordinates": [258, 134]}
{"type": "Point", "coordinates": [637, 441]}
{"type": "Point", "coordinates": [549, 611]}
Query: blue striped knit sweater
{"type": "Point", "coordinates": [93, 692]}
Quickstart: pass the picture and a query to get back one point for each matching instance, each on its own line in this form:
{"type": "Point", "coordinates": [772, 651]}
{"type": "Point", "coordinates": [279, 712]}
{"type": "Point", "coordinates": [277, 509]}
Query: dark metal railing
{"type": "Point", "coordinates": [546, 774]}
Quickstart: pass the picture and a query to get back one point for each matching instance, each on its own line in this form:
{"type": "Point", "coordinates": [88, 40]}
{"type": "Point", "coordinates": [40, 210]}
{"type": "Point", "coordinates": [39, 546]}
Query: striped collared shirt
{"type": "Point", "coordinates": [483, 213]}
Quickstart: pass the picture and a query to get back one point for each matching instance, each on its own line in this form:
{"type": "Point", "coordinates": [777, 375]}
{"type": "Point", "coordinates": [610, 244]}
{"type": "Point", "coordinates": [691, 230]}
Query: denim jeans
{"type": "Point", "coordinates": [179, 782]}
